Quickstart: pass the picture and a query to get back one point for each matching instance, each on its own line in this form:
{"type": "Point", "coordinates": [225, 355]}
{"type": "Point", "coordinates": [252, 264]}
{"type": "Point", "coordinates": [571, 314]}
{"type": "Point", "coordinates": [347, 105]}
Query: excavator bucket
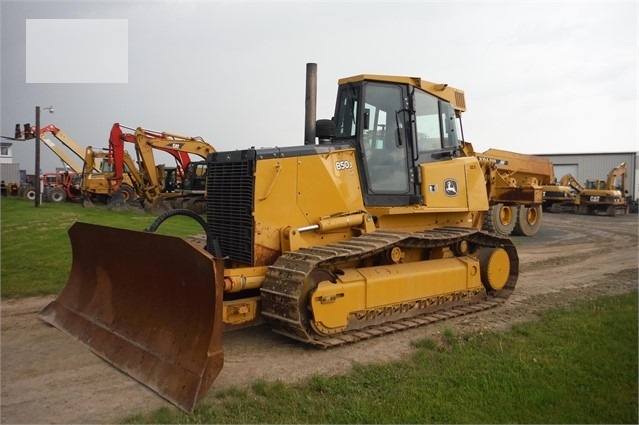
{"type": "Point", "coordinates": [151, 305]}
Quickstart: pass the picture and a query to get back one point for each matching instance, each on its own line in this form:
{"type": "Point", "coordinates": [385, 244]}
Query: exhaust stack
{"type": "Point", "coordinates": [311, 103]}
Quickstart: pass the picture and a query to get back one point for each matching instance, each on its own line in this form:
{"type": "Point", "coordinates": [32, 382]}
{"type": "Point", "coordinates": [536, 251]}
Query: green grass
{"type": "Point", "coordinates": [35, 251]}
{"type": "Point", "coordinates": [575, 365]}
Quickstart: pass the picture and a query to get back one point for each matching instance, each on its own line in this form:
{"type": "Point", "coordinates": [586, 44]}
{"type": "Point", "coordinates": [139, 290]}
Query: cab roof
{"type": "Point", "coordinates": [441, 90]}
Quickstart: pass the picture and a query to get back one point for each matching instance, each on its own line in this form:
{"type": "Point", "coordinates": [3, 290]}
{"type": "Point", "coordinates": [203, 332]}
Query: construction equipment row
{"type": "Point", "coordinates": [596, 197]}
{"type": "Point", "coordinates": [112, 176]}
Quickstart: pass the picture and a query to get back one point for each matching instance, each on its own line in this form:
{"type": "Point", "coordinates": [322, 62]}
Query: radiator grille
{"type": "Point", "coordinates": [229, 206]}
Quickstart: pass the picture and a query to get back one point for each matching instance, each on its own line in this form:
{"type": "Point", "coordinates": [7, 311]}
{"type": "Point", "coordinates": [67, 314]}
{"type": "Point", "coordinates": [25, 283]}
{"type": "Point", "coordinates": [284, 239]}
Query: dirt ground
{"type": "Point", "coordinates": [47, 377]}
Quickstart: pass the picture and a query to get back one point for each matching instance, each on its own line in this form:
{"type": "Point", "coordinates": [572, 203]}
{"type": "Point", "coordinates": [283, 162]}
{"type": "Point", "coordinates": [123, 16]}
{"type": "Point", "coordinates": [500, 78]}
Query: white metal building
{"type": "Point", "coordinates": [584, 166]}
{"type": "Point", "coordinates": [9, 172]}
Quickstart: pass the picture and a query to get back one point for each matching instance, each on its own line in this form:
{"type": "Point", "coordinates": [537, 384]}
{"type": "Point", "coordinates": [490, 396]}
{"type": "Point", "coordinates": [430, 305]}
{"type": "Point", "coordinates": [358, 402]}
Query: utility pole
{"type": "Point", "coordinates": [38, 182]}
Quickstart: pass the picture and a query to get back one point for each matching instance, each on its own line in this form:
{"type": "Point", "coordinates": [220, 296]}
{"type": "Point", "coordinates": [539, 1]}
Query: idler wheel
{"type": "Point", "coordinates": [495, 267]}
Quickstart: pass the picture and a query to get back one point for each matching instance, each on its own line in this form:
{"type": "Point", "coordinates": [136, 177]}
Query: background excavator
{"type": "Point", "coordinates": [604, 197]}
{"type": "Point", "coordinates": [373, 225]}
{"type": "Point", "coordinates": [559, 196]}
{"type": "Point", "coordinates": [123, 178]}
{"type": "Point", "coordinates": [596, 197]}
{"type": "Point", "coordinates": [162, 187]}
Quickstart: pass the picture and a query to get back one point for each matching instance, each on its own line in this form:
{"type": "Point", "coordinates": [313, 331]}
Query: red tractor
{"type": "Point", "coordinates": [61, 186]}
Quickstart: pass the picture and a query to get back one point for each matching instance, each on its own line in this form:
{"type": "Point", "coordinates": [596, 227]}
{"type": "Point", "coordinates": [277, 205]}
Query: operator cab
{"type": "Point", "coordinates": [595, 184]}
{"type": "Point", "coordinates": [195, 177]}
{"type": "Point", "coordinates": [396, 126]}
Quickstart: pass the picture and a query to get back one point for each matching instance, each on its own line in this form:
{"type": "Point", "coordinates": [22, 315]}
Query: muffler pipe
{"type": "Point", "coordinates": [311, 104]}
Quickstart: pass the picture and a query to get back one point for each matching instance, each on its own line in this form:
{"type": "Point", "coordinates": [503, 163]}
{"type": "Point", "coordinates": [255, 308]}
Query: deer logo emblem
{"type": "Point", "coordinates": [450, 187]}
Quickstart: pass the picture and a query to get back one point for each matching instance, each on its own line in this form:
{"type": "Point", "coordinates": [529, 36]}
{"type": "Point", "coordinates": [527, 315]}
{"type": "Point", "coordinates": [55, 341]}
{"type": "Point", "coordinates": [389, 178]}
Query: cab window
{"type": "Point", "coordinates": [435, 122]}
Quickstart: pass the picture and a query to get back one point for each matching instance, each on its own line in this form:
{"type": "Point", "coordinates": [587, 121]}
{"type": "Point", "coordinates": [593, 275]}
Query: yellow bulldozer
{"type": "Point", "coordinates": [371, 226]}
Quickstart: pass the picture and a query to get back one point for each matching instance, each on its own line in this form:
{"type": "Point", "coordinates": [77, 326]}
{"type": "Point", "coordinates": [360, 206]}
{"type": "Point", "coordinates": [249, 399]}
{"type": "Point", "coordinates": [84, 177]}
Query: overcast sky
{"type": "Point", "coordinates": [539, 77]}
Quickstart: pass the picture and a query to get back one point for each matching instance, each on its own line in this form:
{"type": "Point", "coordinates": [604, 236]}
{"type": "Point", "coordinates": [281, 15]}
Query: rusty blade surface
{"type": "Point", "coordinates": [149, 305]}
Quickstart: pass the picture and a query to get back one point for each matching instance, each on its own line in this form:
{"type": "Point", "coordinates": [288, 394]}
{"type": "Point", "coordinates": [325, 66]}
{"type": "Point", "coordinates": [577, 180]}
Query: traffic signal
{"type": "Point", "coordinates": [28, 132]}
{"type": "Point", "coordinates": [18, 134]}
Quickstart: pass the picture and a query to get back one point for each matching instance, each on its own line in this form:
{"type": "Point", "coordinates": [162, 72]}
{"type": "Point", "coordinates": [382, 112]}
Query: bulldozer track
{"type": "Point", "coordinates": [285, 289]}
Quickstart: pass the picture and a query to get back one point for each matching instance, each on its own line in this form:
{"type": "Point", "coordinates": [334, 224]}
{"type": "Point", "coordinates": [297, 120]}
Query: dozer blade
{"type": "Point", "coordinates": [150, 305]}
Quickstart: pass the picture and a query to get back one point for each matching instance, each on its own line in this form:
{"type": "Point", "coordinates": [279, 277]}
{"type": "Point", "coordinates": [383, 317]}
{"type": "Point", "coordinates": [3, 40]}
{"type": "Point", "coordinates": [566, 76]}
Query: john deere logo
{"type": "Point", "coordinates": [450, 187]}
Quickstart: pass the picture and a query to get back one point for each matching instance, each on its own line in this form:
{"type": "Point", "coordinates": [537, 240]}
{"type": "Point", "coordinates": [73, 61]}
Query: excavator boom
{"type": "Point", "coordinates": [616, 179]}
{"type": "Point", "coordinates": [569, 180]}
{"type": "Point", "coordinates": [149, 181]}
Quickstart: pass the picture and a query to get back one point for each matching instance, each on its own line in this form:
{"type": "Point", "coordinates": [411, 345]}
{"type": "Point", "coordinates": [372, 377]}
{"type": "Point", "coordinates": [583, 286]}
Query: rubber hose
{"type": "Point", "coordinates": [168, 214]}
